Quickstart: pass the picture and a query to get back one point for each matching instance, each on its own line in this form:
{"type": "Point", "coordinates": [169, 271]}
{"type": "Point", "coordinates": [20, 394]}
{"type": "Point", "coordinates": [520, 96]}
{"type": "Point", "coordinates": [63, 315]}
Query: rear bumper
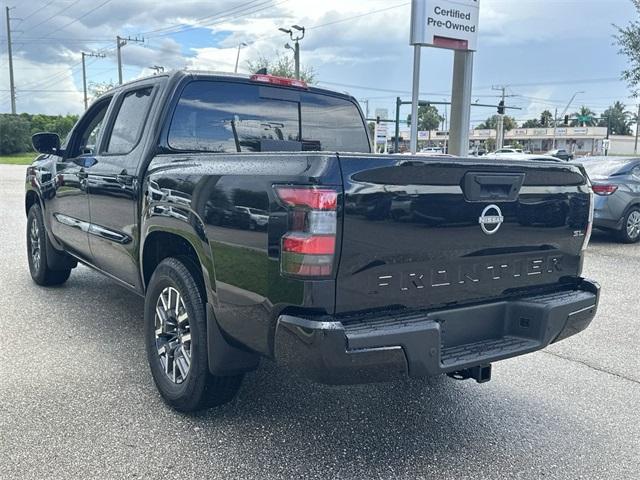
{"type": "Point", "coordinates": [383, 347]}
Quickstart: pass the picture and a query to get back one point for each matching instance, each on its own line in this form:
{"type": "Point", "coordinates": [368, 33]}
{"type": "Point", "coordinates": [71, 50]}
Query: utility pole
{"type": "Point", "coordinates": [366, 102]}
{"type": "Point", "coordinates": [121, 42]}
{"type": "Point", "coordinates": [296, 46]}
{"type": "Point", "coordinates": [396, 148]}
{"type": "Point", "coordinates": [240, 45]}
{"type": "Point", "coordinates": [500, 128]}
{"type": "Point", "coordinates": [84, 74]}
{"type": "Point", "coordinates": [555, 128]}
{"type": "Point", "coordinates": [12, 85]}
{"type": "Point", "coordinates": [446, 127]}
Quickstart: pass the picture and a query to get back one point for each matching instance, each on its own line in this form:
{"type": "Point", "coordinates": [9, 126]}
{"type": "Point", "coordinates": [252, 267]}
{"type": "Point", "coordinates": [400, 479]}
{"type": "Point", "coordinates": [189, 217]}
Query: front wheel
{"type": "Point", "coordinates": [176, 340]}
{"type": "Point", "coordinates": [630, 232]}
{"type": "Point", "coordinates": [37, 248]}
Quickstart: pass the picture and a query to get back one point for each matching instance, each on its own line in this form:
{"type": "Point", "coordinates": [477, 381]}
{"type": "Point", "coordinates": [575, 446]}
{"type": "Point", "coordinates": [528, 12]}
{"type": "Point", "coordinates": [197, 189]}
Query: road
{"type": "Point", "coordinates": [77, 399]}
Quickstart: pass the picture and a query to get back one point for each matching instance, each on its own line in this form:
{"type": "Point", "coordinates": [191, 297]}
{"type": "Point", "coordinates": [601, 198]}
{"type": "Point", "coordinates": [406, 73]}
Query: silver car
{"type": "Point", "coordinates": [616, 184]}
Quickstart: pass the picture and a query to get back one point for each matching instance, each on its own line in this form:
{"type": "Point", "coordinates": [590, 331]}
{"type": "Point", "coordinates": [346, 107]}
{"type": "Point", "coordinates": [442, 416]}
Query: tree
{"type": "Point", "coordinates": [16, 130]}
{"type": "Point", "coordinates": [492, 123]}
{"type": "Point", "coordinates": [282, 66]}
{"type": "Point", "coordinates": [628, 39]}
{"type": "Point", "coordinates": [15, 134]}
{"type": "Point", "coordinates": [534, 123]}
{"type": "Point", "coordinates": [584, 112]}
{"type": "Point", "coordinates": [97, 89]}
{"type": "Point", "coordinates": [546, 120]}
{"type": "Point", "coordinates": [617, 119]}
{"type": "Point", "coordinates": [428, 118]}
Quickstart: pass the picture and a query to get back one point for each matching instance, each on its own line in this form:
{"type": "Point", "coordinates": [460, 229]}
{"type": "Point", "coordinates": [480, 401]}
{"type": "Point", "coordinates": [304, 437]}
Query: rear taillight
{"type": "Point", "coordinates": [589, 231]}
{"type": "Point", "coordinates": [604, 189]}
{"type": "Point", "coordinates": [309, 247]}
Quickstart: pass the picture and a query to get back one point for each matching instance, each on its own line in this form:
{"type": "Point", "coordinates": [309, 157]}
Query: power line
{"type": "Point", "coordinates": [49, 18]}
{"type": "Point", "coordinates": [224, 16]}
{"type": "Point", "coordinates": [78, 19]}
{"type": "Point", "coordinates": [197, 20]}
{"type": "Point", "coordinates": [359, 16]}
{"type": "Point", "coordinates": [37, 10]}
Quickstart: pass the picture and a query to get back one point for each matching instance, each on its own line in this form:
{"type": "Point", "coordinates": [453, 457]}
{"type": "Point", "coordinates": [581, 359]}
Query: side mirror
{"type": "Point", "coordinates": [47, 143]}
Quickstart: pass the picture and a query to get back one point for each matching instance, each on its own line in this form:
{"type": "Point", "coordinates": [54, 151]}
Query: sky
{"type": "Point", "coordinates": [544, 51]}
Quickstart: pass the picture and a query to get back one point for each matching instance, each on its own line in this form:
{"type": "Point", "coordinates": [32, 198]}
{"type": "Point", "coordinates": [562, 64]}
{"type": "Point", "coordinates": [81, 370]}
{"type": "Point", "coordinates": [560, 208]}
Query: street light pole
{"type": "Point", "coordinates": [555, 123]}
{"type": "Point", "coordinates": [296, 48]}
{"type": "Point", "coordinates": [240, 45]}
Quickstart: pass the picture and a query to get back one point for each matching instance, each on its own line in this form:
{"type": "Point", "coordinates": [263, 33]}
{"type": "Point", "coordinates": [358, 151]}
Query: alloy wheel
{"type": "Point", "coordinates": [633, 225]}
{"type": "Point", "coordinates": [34, 244]}
{"type": "Point", "coordinates": [173, 335]}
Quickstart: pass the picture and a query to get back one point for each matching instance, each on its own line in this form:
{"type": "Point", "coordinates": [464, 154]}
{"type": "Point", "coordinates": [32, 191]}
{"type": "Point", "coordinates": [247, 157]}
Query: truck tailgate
{"type": "Point", "coordinates": [429, 232]}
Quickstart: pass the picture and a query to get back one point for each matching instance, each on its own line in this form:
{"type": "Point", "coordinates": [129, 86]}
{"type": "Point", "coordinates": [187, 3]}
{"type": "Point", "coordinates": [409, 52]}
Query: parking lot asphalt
{"type": "Point", "coordinates": [77, 399]}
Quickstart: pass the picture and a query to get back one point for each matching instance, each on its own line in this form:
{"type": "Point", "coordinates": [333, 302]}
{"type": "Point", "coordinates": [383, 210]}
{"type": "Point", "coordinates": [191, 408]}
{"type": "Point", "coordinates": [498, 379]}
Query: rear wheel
{"type": "Point", "coordinates": [176, 340]}
{"type": "Point", "coordinates": [630, 232]}
{"type": "Point", "coordinates": [37, 247]}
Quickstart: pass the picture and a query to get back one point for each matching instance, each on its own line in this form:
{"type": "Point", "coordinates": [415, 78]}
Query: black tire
{"type": "Point", "coordinates": [630, 232]}
{"type": "Point", "coordinates": [198, 389]}
{"type": "Point", "coordinates": [37, 247]}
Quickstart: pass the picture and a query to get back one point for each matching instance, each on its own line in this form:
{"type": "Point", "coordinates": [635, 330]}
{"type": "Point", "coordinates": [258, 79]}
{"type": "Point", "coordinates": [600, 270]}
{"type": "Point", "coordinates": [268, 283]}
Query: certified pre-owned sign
{"type": "Point", "coordinates": [445, 23]}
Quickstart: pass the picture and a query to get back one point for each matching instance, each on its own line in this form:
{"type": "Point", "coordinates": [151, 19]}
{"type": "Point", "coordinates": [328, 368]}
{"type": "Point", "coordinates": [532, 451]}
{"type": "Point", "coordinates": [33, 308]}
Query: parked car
{"type": "Point", "coordinates": [257, 218]}
{"type": "Point", "coordinates": [616, 183]}
{"type": "Point", "coordinates": [477, 152]}
{"type": "Point", "coordinates": [506, 151]}
{"type": "Point", "coordinates": [432, 150]}
{"type": "Point", "coordinates": [561, 154]}
{"type": "Point", "coordinates": [525, 156]}
{"type": "Point", "coordinates": [370, 267]}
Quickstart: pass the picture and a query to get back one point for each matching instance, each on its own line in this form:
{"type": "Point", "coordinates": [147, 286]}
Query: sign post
{"type": "Point", "coordinates": [450, 24]}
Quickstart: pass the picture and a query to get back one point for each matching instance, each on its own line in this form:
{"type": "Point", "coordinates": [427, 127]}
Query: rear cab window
{"type": "Point", "coordinates": [226, 117]}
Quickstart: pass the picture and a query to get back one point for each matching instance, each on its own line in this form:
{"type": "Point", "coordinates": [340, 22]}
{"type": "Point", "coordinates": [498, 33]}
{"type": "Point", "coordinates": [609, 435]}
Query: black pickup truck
{"type": "Point", "coordinates": [221, 199]}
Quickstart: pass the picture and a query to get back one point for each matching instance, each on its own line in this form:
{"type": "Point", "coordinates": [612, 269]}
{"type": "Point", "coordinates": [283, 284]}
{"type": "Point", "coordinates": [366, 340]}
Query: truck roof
{"type": "Point", "coordinates": [176, 75]}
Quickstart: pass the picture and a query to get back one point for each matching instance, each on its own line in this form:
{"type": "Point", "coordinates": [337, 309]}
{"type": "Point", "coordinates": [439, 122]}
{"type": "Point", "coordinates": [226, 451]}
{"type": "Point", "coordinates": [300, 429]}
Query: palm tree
{"type": "Point", "coordinates": [618, 119]}
{"type": "Point", "coordinates": [584, 112]}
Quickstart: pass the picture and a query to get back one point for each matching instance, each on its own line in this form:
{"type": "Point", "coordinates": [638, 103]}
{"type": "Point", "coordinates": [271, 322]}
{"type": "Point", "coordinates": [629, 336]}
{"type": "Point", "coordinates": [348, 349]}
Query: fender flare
{"type": "Point", "coordinates": [224, 358]}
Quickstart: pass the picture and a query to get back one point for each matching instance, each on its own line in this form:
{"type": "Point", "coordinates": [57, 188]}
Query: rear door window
{"type": "Point", "coordinates": [234, 117]}
{"type": "Point", "coordinates": [129, 122]}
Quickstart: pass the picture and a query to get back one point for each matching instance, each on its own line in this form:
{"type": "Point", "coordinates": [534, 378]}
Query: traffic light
{"type": "Point", "coordinates": [566, 120]}
{"type": "Point", "coordinates": [501, 107]}
{"type": "Point", "coordinates": [378, 120]}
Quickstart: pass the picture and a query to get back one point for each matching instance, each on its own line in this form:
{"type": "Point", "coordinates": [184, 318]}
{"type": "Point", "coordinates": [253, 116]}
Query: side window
{"type": "Point", "coordinates": [129, 122]}
{"type": "Point", "coordinates": [85, 138]}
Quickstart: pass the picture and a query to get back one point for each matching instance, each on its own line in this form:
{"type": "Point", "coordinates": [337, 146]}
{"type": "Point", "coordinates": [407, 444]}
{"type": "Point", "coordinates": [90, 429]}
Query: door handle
{"type": "Point", "coordinates": [124, 179]}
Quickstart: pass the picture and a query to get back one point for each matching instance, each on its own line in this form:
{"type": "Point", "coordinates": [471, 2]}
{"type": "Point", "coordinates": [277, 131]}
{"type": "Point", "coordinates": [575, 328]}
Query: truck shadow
{"type": "Point", "coordinates": [354, 431]}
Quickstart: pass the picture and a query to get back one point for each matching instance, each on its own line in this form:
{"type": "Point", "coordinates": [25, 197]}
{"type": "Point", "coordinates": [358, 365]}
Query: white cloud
{"type": "Point", "coordinates": [369, 50]}
{"type": "Point", "coordinates": [47, 89]}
